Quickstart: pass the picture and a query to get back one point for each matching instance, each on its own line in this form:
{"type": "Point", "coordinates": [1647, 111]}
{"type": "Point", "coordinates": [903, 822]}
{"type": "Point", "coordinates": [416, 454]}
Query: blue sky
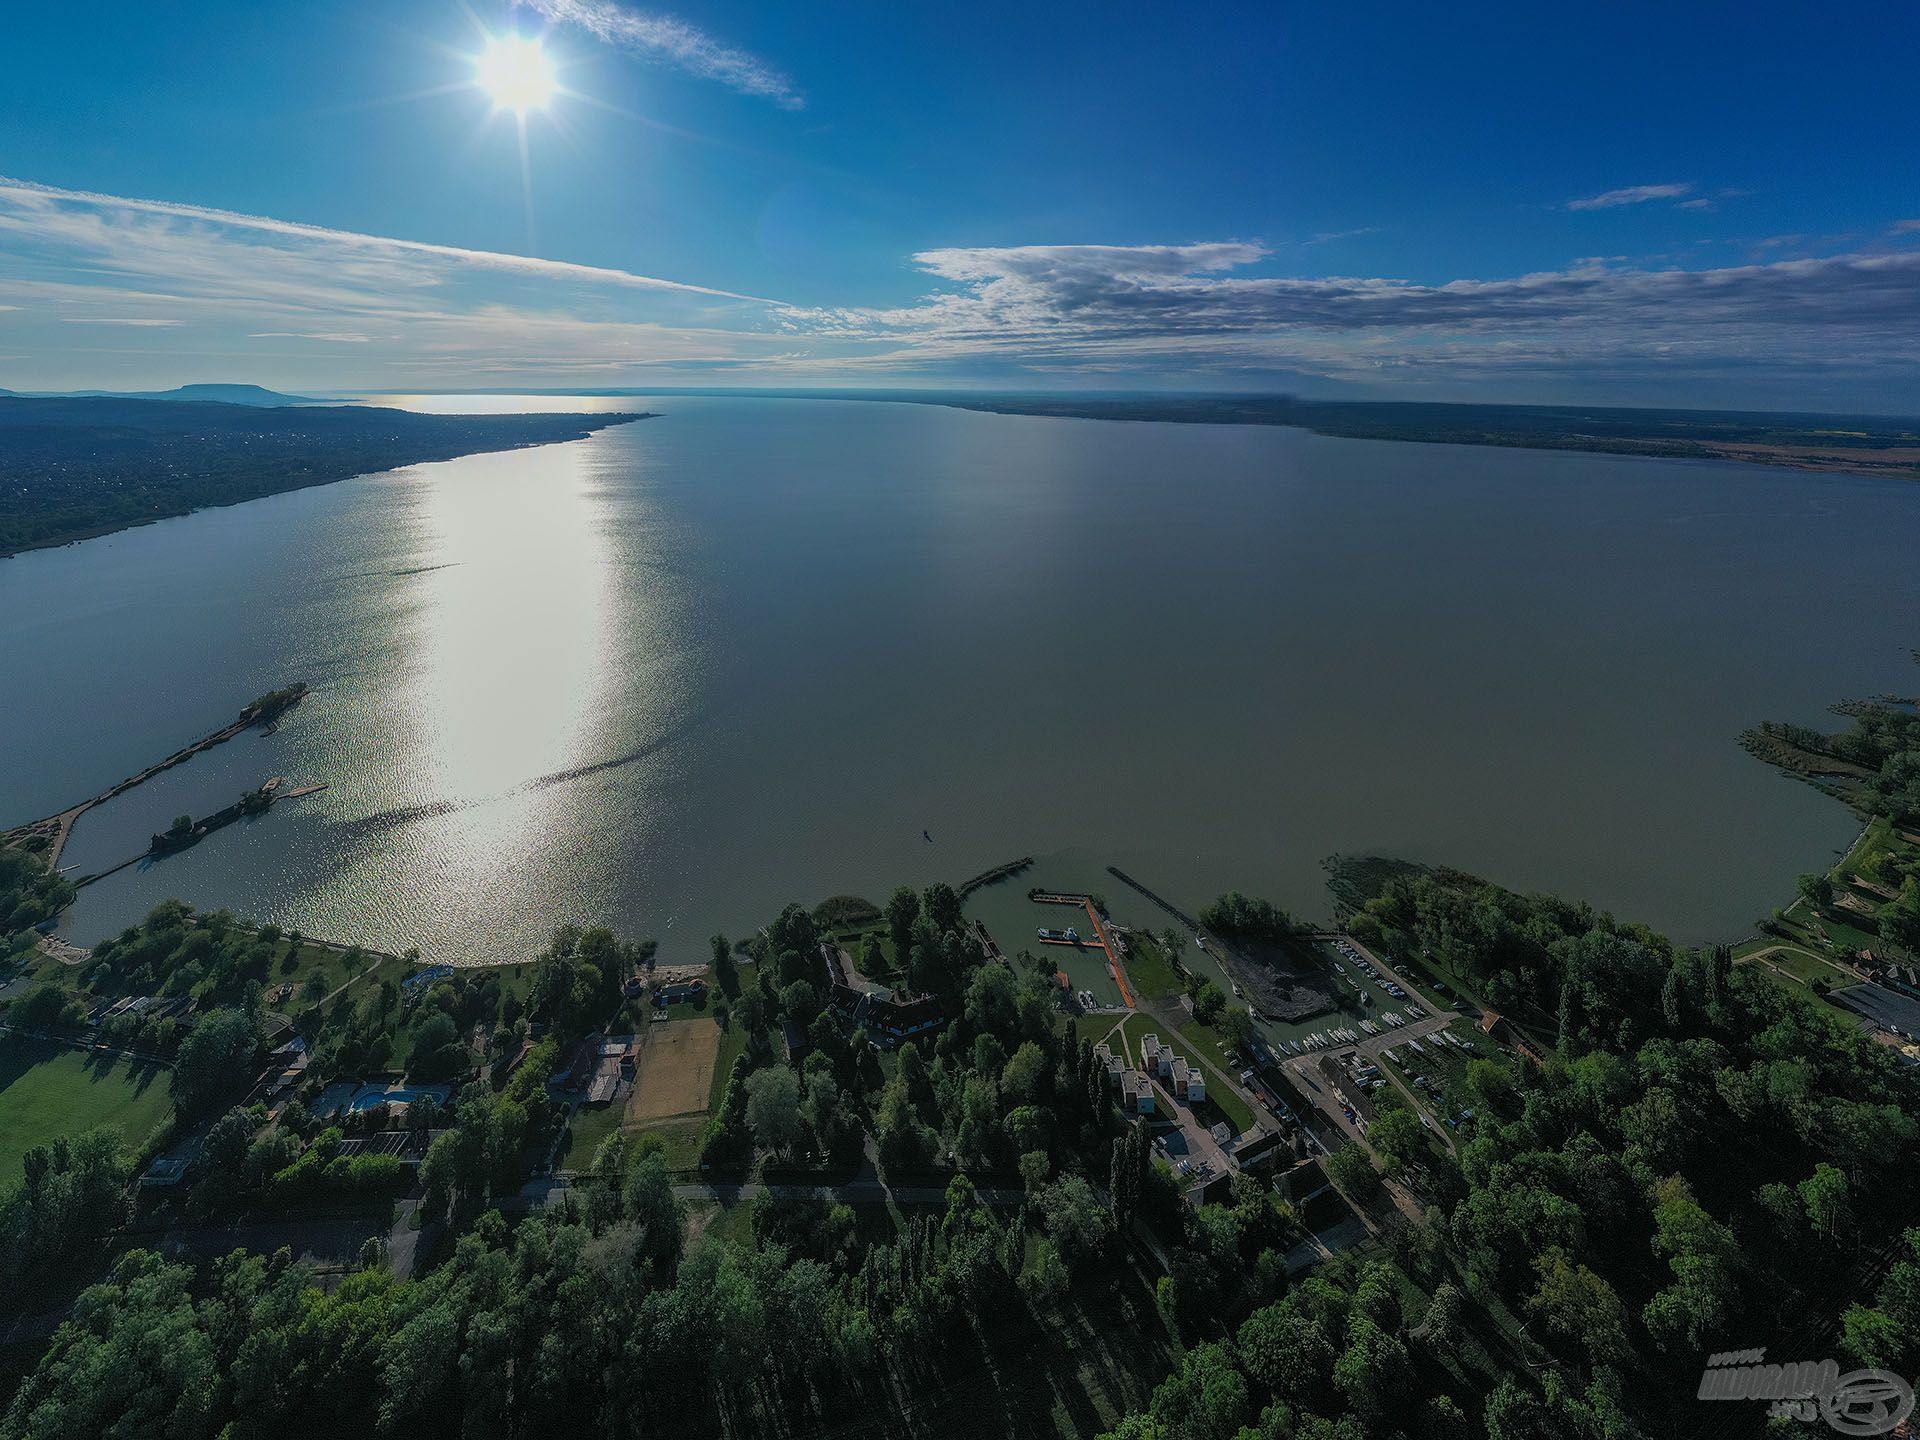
{"type": "Point", "coordinates": [1708, 204]}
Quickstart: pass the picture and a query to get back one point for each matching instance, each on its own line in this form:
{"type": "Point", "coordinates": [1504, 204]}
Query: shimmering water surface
{"type": "Point", "coordinates": [674, 675]}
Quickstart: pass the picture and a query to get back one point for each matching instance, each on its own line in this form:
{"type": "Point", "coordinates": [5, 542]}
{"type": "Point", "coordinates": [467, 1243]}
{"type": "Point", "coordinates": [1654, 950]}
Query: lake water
{"type": "Point", "coordinates": [674, 675]}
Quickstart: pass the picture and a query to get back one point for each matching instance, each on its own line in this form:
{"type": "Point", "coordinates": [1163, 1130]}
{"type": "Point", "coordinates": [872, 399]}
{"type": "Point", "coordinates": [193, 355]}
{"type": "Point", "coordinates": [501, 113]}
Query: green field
{"type": "Point", "coordinates": [589, 1126]}
{"type": "Point", "coordinates": [1805, 967]}
{"type": "Point", "coordinates": [1151, 972]}
{"type": "Point", "coordinates": [47, 1091]}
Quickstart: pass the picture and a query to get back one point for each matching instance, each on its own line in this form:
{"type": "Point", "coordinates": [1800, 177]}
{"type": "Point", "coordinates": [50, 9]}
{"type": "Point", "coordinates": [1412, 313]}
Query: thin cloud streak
{"type": "Point", "coordinates": [1630, 195]}
{"type": "Point", "coordinates": [27, 192]}
{"type": "Point", "coordinates": [671, 41]}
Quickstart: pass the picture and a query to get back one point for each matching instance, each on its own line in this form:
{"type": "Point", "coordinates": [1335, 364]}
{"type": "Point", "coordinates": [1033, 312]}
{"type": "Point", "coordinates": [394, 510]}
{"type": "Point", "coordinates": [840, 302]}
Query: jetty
{"type": "Point", "coordinates": [53, 830]}
{"type": "Point", "coordinates": [993, 876]}
{"type": "Point", "coordinates": [168, 842]}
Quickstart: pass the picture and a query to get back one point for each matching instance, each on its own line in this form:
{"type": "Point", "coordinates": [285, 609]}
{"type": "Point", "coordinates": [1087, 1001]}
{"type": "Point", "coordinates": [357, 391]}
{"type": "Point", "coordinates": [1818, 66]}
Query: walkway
{"type": "Point", "coordinates": [867, 1190]}
{"type": "Point", "coordinates": [1049, 897]}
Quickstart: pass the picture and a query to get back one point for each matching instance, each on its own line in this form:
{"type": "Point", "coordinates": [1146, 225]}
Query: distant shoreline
{"type": "Point", "coordinates": [1813, 441]}
{"type": "Point", "coordinates": [1890, 450]}
{"type": "Point", "coordinates": [74, 469]}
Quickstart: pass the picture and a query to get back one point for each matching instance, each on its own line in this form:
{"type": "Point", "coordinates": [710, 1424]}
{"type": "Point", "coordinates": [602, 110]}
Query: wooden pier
{"type": "Point", "coordinates": [1105, 941]}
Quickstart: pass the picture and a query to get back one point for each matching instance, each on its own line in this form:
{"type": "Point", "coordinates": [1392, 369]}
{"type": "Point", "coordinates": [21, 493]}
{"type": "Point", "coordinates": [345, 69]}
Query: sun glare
{"type": "Point", "coordinates": [517, 73]}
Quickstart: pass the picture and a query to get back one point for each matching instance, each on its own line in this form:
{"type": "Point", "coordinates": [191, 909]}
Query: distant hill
{"type": "Point", "coordinates": [226, 395]}
{"type": "Point", "coordinates": [79, 465]}
{"type": "Point", "coordinates": [223, 394]}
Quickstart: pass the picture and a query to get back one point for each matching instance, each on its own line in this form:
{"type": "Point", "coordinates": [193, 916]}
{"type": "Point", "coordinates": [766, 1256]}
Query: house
{"type": "Point", "coordinates": [1256, 1148]}
{"type": "Point", "coordinates": [1209, 1188]}
{"type": "Point", "coordinates": [1497, 1027]}
{"type": "Point", "coordinates": [1179, 1076]}
{"type": "Point", "coordinates": [794, 1042]}
{"type": "Point", "coordinates": [889, 1018]}
{"type": "Point", "coordinates": [1196, 1085]}
{"type": "Point", "coordinates": [836, 963]}
{"type": "Point", "coordinates": [581, 1066]}
{"type": "Point", "coordinates": [1137, 1092]}
{"type": "Point", "coordinates": [677, 991]}
{"type": "Point", "coordinates": [167, 1170]}
{"type": "Point", "coordinates": [1149, 1052]}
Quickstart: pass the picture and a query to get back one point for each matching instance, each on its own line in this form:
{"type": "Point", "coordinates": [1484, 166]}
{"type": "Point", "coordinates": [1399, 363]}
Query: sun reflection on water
{"type": "Point", "coordinates": [510, 629]}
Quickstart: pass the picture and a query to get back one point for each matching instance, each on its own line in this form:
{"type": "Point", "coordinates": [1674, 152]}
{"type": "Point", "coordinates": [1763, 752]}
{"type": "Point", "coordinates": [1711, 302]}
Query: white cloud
{"type": "Point", "coordinates": [47, 207]}
{"type": "Point", "coordinates": [1630, 195]}
{"type": "Point", "coordinates": [1904, 227]}
{"type": "Point", "coordinates": [1328, 236]}
{"type": "Point", "coordinates": [1166, 308]}
{"type": "Point", "coordinates": [671, 41]}
{"type": "Point", "coordinates": [185, 292]}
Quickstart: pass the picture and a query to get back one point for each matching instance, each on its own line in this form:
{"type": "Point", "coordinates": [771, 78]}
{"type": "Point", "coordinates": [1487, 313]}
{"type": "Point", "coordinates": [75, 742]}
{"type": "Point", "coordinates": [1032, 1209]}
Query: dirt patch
{"type": "Point", "coordinates": [676, 1071]}
{"type": "Point", "coordinates": [1856, 459]}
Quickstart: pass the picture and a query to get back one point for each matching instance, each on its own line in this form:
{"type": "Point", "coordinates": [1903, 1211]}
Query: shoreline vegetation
{"type": "Point", "coordinates": [72, 468]}
{"type": "Point", "coordinates": [1840, 444]}
{"type": "Point", "coordinates": [1885, 445]}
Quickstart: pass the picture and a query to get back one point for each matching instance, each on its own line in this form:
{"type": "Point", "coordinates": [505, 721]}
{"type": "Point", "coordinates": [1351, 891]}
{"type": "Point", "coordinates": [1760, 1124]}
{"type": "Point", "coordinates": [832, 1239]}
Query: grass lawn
{"type": "Point", "coordinates": [1807, 968]}
{"type": "Point", "coordinates": [679, 1142]}
{"type": "Point", "coordinates": [733, 1044]}
{"type": "Point", "coordinates": [1132, 1029]}
{"type": "Point", "coordinates": [1150, 970]}
{"type": "Point", "coordinates": [853, 940]}
{"type": "Point", "coordinates": [47, 1091]}
{"type": "Point", "coordinates": [590, 1125]}
{"type": "Point", "coordinates": [722, 1222]}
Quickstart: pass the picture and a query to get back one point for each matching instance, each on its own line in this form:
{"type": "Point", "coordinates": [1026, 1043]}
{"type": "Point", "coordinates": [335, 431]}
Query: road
{"type": "Point", "coordinates": [1303, 1070]}
{"type": "Point", "coordinates": [547, 1190]}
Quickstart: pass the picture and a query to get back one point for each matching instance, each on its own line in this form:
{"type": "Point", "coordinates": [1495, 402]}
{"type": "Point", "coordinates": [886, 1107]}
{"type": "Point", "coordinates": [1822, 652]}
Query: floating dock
{"type": "Point", "coordinates": [1104, 940]}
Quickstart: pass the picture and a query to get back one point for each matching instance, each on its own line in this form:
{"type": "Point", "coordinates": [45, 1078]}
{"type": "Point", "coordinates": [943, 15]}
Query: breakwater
{"type": "Point", "coordinates": [53, 831]}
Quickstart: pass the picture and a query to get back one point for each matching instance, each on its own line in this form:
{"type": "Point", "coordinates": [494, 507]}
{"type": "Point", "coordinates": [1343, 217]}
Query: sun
{"type": "Point", "coordinates": [517, 73]}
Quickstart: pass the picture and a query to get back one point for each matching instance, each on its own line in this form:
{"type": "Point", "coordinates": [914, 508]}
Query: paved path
{"type": "Point", "coordinates": [854, 1192]}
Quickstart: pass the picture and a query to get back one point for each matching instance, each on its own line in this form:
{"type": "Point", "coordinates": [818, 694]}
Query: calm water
{"type": "Point", "coordinates": [676, 674]}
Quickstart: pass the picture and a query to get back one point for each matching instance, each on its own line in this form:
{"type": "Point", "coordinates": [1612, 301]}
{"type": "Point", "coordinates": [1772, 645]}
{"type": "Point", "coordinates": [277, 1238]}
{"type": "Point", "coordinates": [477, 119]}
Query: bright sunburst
{"type": "Point", "coordinates": [517, 73]}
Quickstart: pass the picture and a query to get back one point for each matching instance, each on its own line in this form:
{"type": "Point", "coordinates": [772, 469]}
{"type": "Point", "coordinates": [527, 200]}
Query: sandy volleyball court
{"type": "Point", "coordinates": [676, 1070]}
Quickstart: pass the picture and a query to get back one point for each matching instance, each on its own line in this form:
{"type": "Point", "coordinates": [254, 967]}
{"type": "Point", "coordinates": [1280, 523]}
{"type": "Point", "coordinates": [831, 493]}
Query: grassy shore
{"type": "Point", "coordinates": [48, 1091]}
